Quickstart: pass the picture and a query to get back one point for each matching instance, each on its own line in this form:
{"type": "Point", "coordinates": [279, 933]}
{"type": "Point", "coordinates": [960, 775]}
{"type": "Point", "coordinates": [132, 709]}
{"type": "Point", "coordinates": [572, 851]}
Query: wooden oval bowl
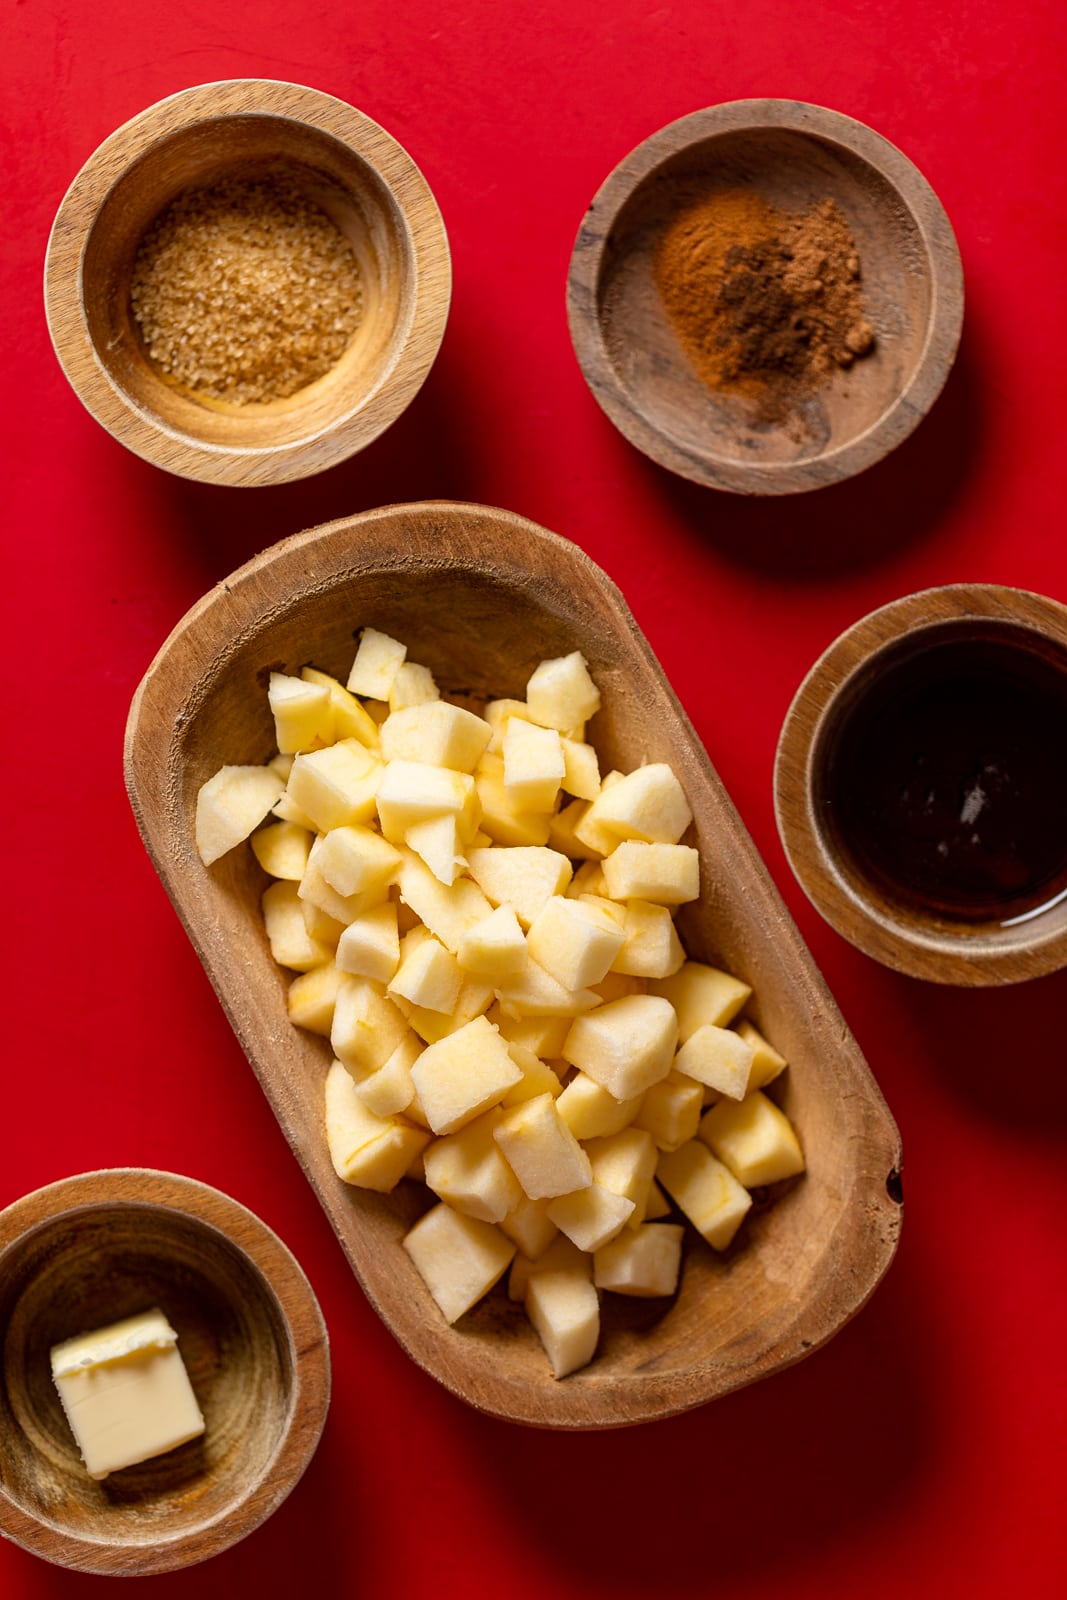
{"type": "Point", "coordinates": [245, 128]}
{"type": "Point", "coordinates": [480, 596]}
{"type": "Point", "coordinates": [792, 155]}
{"type": "Point", "coordinates": [89, 1250]}
{"type": "Point", "coordinates": [883, 925]}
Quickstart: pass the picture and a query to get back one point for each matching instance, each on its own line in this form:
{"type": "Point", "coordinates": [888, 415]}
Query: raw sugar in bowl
{"type": "Point", "coordinates": [765, 297]}
{"type": "Point", "coordinates": [91, 1251]}
{"type": "Point", "coordinates": [480, 596]}
{"type": "Point", "coordinates": [248, 282]}
{"type": "Point", "coordinates": [920, 785]}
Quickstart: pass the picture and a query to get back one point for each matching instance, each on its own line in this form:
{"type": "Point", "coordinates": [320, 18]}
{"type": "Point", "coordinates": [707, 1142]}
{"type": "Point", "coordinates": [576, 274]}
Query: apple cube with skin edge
{"type": "Point", "coordinates": [370, 945]}
{"type": "Point", "coordinates": [591, 1112]}
{"type": "Point", "coordinates": [666, 874]}
{"type": "Point", "coordinates": [574, 942]}
{"type": "Point", "coordinates": [590, 1217]}
{"type": "Point", "coordinates": [467, 1170]}
{"type": "Point", "coordinates": [626, 1045]}
{"type": "Point", "coordinates": [367, 1151]}
{"type": "Point", "coordinates": [351, 720]}
{"type": "Point", "coordinates": [437, 733]}
{"type": "Point", "coordinates": [560, 693]}
{"type": "Point", "coordinates": [458, 1258]}
{"type": "Point", "coordinates": [700, 993]}
{"type": "Point", "coordinates": [541, 1150]}
{"type": "Point", "coordinates": [377, 661]}
{"type": "Point", "coordinates": [282, 850]}
{"type": "Point", "coordinates": [718, 1058]}
{"type": "Point", "coordinates": [755, 1139]}
{"type": "Point", "coordinates": [303, 714]}
{"type": "Point", "coordinates": [462, 1075]}
{"type": "Point", "coordinates": [231, 805]}
{"type": "Point", "coordinates": [707, 1191]}
{"type": "Point", "coordinates": [524, 878]}
{"type": "Point", "coordinates": [565, 1310]}
{"type": "Point", "coordinates": [645, 1261]}
{"type": "Point", "coordinates": [336, 786]}
{"type": "Point", "coordinates": [648, 803]}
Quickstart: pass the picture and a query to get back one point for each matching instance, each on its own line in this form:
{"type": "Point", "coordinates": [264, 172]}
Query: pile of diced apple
{"type": "Point", "coordinates": [483, 927]}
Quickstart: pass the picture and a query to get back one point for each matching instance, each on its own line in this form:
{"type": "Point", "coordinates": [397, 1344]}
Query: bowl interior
{"type": "Point", "coordinates": [480, 596]}
{"type": "Point", "coordinates": [791, 170]}
{"type": "Point", "coordinates": [251, 146]}
{"type": "Point", "coordinates": [88, 1266]}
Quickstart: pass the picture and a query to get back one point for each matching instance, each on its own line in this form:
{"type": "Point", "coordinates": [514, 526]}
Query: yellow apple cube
{"type": "Point", "coordinates": [368, 1151]}
{"type": "Point", "coordinates": [437, 843]}
{"type": "Point", "coordinates": [625, 1163]}
{"type": "Point", "coordinates": [312, 998]}
{"type": "Point", "coordinates": [449, 910]}
{"type": "Point", "coordinates": [336, 786]}
{"type": "Point", "coordinates": [666, 874]}
{"type": "Point", "coordinates": [435, 732]}
{"type": "Point", "coordinates": [369, 946]}
{"type": "Point", "coordinates": [428, 975]}
{"type": "Point", "coordinates": [766, 1062]}
{"type": "Point", "coordinates": [291, 944]}
{"type": "Point", "coordinates": [378, 660]}
{"type": "Point", "coordinates": [355, 859]}
{"type": "Point", "coordinates": [537, 1077]}
{"type": "Point", "coordinates": [670, 1110]}
{"type": "Point", "coordinates": [523, 877]}
{"type": "Point", "coordinates": [644, 1261]}
{"type": "Point", "coordinates": [648, 803]}
{"type": "Point", "coordinates": [533, 992]}
{"type": "Point", "coordinates": [702, 994]}
{"type": "Point", "coordinates": [625, 1045]}
{"type": "Point", "coordinates": [590, 1111]}
{"type": "Point", "coordinates": [495, 947]}
{"type": "Point", "coordinates": [468, 1170]}
{"type": "Point", "coordinates": [574, 941]}
{"type": "Point", "coordinates": [282, 850]}
{"type": "Point", "coordinates": [367, 1027]}
{"type": "Point", "coordinates": [590, 1217]}
{"type": "Point", "coordinates": [561, 694]}
{"type": "Point", "coordinates": [505, 823]}
{"type": "Point", "coordinates": [718, 1058]}
{"type": "Point", "coordinates": [351, 720]}
{"type": "Point", "coordinates": [541, 1150]}
{"type": "Point", "coordinates": [411, 792]}
{"type": "Point", "coordinates": [560, 1255]}
{"type": "Point", "coordinates": [462, 1075]}
{"type": "Point", "coordinates": [581, 769]}
{"type": "Point", "coordinates": [303, 714]}
{"type": "Point", "coordinates": [412, 686]}
{"type": "Point", "coordinates": [530, 1228]}
{"type": "Point", "coordinates": [755, 1139]}
{"type": "Point", "coordinates": [709, 1194]}
{"type": "Point", "coordinates": [533, 765]}
{"type": "Point", "coordinates": [651, 946]}
{"type": "Point", "coordinates": [543, 1035]}
{"type": "Point", "coordinates": [458, 1258]}
{"type": "Point", "coordinates": [230, 806]}
{"type": "Point", "coordinates": [390, 1091]}
{"type": "Point", "coordinates": [565, 1310]}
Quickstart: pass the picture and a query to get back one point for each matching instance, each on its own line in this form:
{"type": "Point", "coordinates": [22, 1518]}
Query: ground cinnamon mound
{"type": "Point", "coordinates": [245, 291]}
{"type": "Point", "coordinates": [765, 303]}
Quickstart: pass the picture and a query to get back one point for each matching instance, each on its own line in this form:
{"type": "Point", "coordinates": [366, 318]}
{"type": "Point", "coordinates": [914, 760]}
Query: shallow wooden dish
{"type": "Point", "coordinates": [893, 932]}
{"type": "Point", "coordinates": [348, 165]}
{"type": "Point", "coordinates": [792, 155]}
{"type": "Point", "coordinates": [480, 595]}
{"type": "Point", "coordinates": [88, 1250]}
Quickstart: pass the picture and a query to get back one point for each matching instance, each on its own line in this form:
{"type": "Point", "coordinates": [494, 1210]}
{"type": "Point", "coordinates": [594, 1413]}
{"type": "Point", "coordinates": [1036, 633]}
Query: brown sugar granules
{"type": "Point", "coordinates": [765, 303]}
{"type": "Point", "coordinates": [245, 291]}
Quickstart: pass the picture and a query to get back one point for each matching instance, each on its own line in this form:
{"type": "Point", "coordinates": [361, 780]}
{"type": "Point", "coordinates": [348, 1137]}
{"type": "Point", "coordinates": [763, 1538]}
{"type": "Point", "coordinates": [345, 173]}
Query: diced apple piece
{"type": "Point", "coordinates": [458, 1258]}
{"type": "Point", "coordinates": [666, 874]}
{"type": "Point", "coordinates": [543, 1035]}
{"type": "Point", "coordinates": [648, 803]}
{"type": "Point", "coordinates": [231, 805]}
{"type": "Point", "coordinates": [390, 1091]}
{"type": "Point", "coordinates": [505, 823]}
{"type": "Point", "coordinates": [290, 943]}
{"type": "Point", "coordinates": [436, 841]}
{"type": "Point", "coordinates": [462, 1075]}
{"type": "Point", "coordinates": [625, 1163]}
{"type": "Point", "coordinates": [377, 662]}
{"type": "Point", "coordinates": [657, 1204]}
{"type": "Point", "coordinates": [651, 948]}
{"type": "Point", "coordinates": [718, 1058]}
{"type": "Point", "coordinates": [473, 1000]}
{"type": "Point", "coordinates": [701, 994]}
{"type": "Point", "coordinates": [581, 769]}
{"type": "Point", "coordinates": [495, 947]}
{"type": "Point", "coordinates": [314, 890]}
{"type": "Point", "coordinates": [560, 1255]}
{"type": "Point", "coordinates": [369, 947]}
{"type": "Point", "coordinates": [625, 1045]}
{"type": "Point", "coordinates": [282, 850]}
{"type": "Point", "coordinates": [354, 859]}
{"type": "Point", "coordinates": [530, 1227]}
{"type": "Point", "coordinates": [560, 693]}
{"type": "Point", "coordinates": [574, 942]}
{"type": "Point", "coordinates": [541, 1150]}
{"type": "Point", "coordinates": [766, 1062]}
{"type": "Point", "coordinates": [523, 877]}
{"type": "Point", "coordinates": [351, 720]}
{"type": "Point", "coordinates": [367, 1027]}
{"type": "Point", "coordinates": [563, 836]}
{"type": "Point", "coordinates": [533, 992]}
{"type": "Point", "coordinates": [645, 1261]}
{"type": "Point", "coordinates": [533, 765]}
{"type": "Point", "coordinates": [326, 929]}
{"type": "Point", "coordinates": [565, 1311]}
{"type": "Point", "coordinates": [435, 732]}
{"type": "Point", "coordinates": [468, 1170]}
{"type": "Point", "coordinates": [303, 714]}
{"type": "Point", "coordinates": [590, 1217]}
{"type": "Point", "coordinates": [371, 1152]}
{"type": "Point", "coordinates": [410, 792]}
{"type": "Point", "coordinates": [412, 686]}
{"type": "Point", "coordinates": [537, 1077]}
{"type": "Point", "coordinates": [670, 1110]}
{"type": "Point", "coordinates": [591, 1112]}
{"type": "Point", "coordinates": [708, 1193]}
{"type": "Point", "coordinates": [428, 976]}
{"type": "Point", "coordinates": [497, 714]}
{"type": "Point", "coordinates": [336, 786]}
{"type": "Point", "coordinates": [755, 1139]}
{"type": "Point", "coordinates": [588, 879]}
{"type": "Point", "coordinates": [312, 997]}
{"type": "Point", "coordinates": [449, 911]}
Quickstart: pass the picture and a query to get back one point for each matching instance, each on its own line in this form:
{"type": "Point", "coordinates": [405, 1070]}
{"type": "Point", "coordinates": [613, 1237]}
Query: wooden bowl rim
{"type": "Point", "coordinates": [938, 952]}
{"type": "Point", "coordinates": [153, 438]}
{"type": "Point", "coordinates": [368, 544]}
{"type": "Point", "coordinates": [286, 1284]}
{"type": "Point", "coordinates": [942, 333]}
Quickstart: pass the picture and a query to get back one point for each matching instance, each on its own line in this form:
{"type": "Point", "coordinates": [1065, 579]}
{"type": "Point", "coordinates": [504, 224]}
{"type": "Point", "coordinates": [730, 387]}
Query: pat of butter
{"type": "Point", "coordinates": [126, 1392]}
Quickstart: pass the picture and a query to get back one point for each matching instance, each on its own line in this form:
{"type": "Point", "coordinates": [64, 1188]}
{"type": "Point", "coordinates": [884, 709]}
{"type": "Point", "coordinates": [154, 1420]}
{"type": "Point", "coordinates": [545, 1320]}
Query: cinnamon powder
{"type": "Point", "coordinates": [766, 303]}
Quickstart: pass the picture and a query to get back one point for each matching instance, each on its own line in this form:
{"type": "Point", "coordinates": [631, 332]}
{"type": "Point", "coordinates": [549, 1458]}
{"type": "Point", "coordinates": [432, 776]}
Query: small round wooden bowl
{"type": "Point", "coordinates": [343, 162]}
{"type": "Point", "coordinates": [89, 1250]}
{"type": "Point", "coordinates": [480, 595]}
{"type": "Point", "coordinates": [792, 155]}
{"type": "Point", "coordinates": [894, 932]}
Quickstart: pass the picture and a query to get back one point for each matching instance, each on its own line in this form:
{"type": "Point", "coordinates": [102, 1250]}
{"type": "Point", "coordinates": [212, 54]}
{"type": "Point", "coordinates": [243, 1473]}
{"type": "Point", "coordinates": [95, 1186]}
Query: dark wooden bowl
{"type": "Point", "coordinates": [792, 155]}
{"type": "Point", "coordinates": [347, 165]}
{"type": "Point", "coordinates": [91, 1249]}
{"type": "Point", "coordinates": [480, 596]}
{"type": "Point", "coordinates": [893, 931]}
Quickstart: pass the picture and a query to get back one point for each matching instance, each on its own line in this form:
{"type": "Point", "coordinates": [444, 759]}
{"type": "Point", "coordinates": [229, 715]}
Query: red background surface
{"type": "Point", "coordinates": [921, 1451]}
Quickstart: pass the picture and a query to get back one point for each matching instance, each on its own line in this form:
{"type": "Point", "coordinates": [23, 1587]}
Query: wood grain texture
{"type": "Point", "coordinates": [480, 596]}
{"type": "Point", "coordinates": [896, 934]}
{"type": "Point", "coordinates": [793, 155]}
{"type": "Point", "coordinates": [91, 1249]}
{"type": "Point", "coordinates": [248, 128]}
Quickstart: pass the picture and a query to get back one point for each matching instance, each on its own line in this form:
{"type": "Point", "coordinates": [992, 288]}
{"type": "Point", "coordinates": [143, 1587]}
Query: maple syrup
{"type": "Point", "coordinates": [945, 780]}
